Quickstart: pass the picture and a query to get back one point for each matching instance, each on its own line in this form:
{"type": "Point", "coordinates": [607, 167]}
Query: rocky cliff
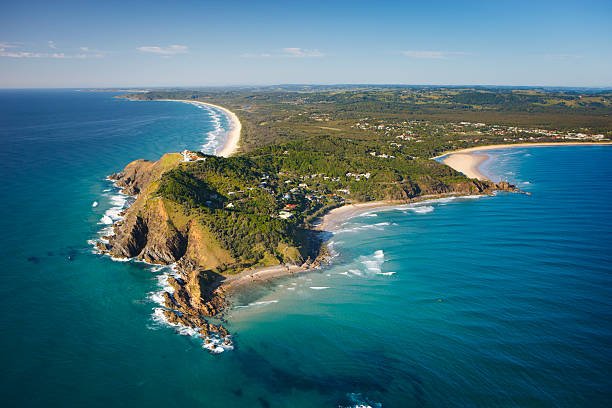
{"type": "Point", "coordinates": [156, 231]}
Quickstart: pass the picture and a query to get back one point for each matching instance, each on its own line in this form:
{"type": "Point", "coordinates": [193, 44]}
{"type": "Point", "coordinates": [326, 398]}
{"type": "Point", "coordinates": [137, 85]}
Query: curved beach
{"type": "Point", "coordinates": [467, 163]}
{"type": "Point", "coordinates": [468, 160]}
{"type": "Point", "coordinates": [231, 145]}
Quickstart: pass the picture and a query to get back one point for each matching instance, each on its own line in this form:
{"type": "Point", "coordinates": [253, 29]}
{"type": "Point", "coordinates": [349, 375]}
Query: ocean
{"type": "Point", "coordinates": [499, 301]}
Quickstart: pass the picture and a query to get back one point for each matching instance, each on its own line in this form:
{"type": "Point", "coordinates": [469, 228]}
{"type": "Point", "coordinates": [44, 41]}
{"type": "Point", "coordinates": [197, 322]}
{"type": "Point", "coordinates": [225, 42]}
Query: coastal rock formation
{"type": "Point", "coordinates": [154, 231]}
{"type": "Point", "coordinates": [136, 176]}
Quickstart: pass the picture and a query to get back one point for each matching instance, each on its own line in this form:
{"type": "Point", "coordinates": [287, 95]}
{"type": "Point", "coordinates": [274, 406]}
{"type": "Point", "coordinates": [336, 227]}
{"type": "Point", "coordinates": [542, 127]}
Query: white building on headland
{"type": "Point", "coordinates": [188, 156]}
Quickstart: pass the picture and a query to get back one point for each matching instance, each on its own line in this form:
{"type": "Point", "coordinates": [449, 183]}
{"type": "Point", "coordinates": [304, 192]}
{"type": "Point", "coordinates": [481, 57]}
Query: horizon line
{"type": "Point", "coordinates": [157, 87]}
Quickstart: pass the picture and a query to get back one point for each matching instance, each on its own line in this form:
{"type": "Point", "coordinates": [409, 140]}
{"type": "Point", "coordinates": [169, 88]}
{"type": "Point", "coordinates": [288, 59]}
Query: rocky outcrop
{"type": "Point", "coordinates": [135, 177]}
{"type": "Point", "coordinates": [147, 234]}
{"type": "Point", "coordinates": [428, 186]}
{"type": "Point", "coordinates": [130, 238]}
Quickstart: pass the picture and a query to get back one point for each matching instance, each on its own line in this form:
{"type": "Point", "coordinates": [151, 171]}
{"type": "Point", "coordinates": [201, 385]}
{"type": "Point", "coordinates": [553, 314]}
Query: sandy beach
{"type": "Point", "coordinates": [333, 218]}
{"type": "Point", "coordinates": [467, 161]}
{"type": "Point", "coordinates": [233, 138]}
{"type": "Point", "coordinates": [260, 274]}
{"type": "Point", "coordinates": [518, 145]}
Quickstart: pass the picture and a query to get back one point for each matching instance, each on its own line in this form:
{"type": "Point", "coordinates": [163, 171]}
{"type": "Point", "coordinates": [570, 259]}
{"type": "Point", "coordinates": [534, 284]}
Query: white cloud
{"type": "Point", "coordinates": [171, 50]}
{"type": "Point", "coordinates": [262, 55]}
{"type": "Point", "coordinates": [287, 53]}
{"type": "Point", "coordinates": [425, 54]}
{"type": "Point", "coordinates": [563, 56]}
{"type": "Point", "coordinates": [7, 51]}
{"type": "Point", "coordinates": [22, 54]}
{"type": "Point", "coordinates": [301, 53]}
{"type": "Point", "coordinates": [55, 55]}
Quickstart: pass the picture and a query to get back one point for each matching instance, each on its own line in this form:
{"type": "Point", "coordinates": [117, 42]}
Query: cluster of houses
{"type": "Point", "coordinates": [382, 155]}
{"type": "Point", "coordinates": [408, 131]}
{"type": "Point", "coordinates": [359, 176]}
{"type": "Point", "coordinates": [297, 193]}
{"type": "Point", "coordinates": [500, 130]}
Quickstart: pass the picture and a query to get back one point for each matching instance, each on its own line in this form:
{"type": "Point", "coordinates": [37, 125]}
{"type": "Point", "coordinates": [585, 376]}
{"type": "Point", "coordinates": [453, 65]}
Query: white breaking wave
{"type": "Point", "coordinates": [357, 400]}
{"type": "Point", "coordinates": [119, 202]}
{"type": "Point", "coordinates": [356, 272]}
{"type": "Point", "coordinates": [331, 249]}
{"type": "Point", "coordinates": [214, 137]}
{"type": "Point", "coordinates": [319, 287]}
{"type": "Point", "coordinates": [377, 226]}
{"type": "Point", "coordinates": [260, 303]}
{"type": "Point", "coordinates": [213, 343]}
{"type": "Point", "coordinates": [369, 266]}
{"type": "Point", "coordinates": [216, 344]}
{"type": "Point", "coordinates": [424, 209]}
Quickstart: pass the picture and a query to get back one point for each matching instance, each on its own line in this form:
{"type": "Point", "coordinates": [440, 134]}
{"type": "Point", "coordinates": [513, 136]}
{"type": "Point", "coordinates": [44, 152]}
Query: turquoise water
{"type": "Point", "coordinates": [498, 301]}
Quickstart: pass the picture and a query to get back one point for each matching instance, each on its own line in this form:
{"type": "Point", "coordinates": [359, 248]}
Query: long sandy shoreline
{"type": "Point", "coordinates": [233, 138]}
{"type": "Point", "coordinates": [467, 161]}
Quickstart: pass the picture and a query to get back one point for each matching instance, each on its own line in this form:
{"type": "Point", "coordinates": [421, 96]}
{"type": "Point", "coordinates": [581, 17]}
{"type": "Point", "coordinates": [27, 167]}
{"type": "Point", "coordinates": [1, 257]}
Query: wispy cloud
{"type": "Point", "coordinates": [425, 54]}
{"type": "Point", "coordinates": [251, 55]}
{"type": "Point", "coordinates": [170, 50]}
{"type": "Point", "coordinates": [22, 54]}
{"type": "Point", "coordinates": [54, 55]}
{"type": "Point", "coordinates": [92, 53]}
{"type": "Point", "coordinates": [291, 52]}
{"type": "Point", "coordinates": [436, 55]}
{"type": "Point", "coordinates": [302, 53]}
{"type": "Point", "coordinates": [13, 50]}
{"type": "Point", "coordinates": [5, 45]}
{"type": "Point", "coordinates": [563, 56]}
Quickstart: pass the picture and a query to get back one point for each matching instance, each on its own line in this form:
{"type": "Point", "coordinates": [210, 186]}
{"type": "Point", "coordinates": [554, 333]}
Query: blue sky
{"type": "Point", "coordinates": [199, 43]}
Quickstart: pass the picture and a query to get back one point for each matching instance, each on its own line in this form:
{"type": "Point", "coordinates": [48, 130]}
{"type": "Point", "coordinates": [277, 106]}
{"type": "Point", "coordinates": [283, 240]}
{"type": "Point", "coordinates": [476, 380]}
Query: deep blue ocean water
{"type": "Point", "coordinates": [500, 301]}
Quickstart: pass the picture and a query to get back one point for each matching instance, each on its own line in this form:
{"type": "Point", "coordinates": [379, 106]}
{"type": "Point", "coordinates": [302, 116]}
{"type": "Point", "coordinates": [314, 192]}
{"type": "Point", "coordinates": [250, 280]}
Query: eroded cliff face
{"type": "Point", "coordinates": [153, 230]}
